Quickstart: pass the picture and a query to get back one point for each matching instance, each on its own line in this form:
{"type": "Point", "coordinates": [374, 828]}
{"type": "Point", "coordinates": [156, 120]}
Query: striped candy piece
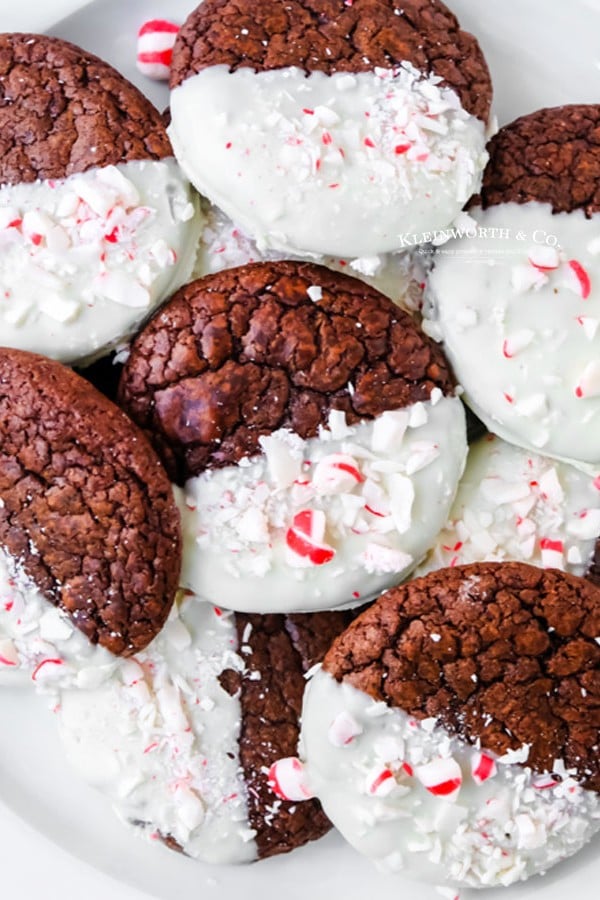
{"type": "Point", "coordinates": [156, 39]}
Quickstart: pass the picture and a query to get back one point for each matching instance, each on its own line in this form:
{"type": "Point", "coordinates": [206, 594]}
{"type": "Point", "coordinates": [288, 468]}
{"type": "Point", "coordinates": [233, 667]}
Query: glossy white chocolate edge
{"type": "Point", "coordinates": [372, 496]}
{"type": "Point", "coordinates": [39, 643]}
{"type": "Point", "coordinates": [160, 738]}
{"type": "Point", "coordinates": [342, 164]}
{"type": "Point", "coordinates": [223, 245]}
{"type": "Point", "coordinates": [407, 795]}
{"type": "Point", "coordinates": [515, 505]}
{"type": "Point", "coordinates": [520, 323]}
{"type": "Point", "coordinates": [84, 260]}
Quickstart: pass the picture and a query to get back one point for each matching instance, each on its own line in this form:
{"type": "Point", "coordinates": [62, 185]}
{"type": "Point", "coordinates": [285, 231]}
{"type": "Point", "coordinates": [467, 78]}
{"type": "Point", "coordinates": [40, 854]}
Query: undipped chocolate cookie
{"type": "Point", "coordinates": [326, 127]}
{"type": "Point", "coordinates": [90, 546]}
{"type": "Point", "coordinates": [97, 223]}
{"type": "Point", "coordinates": [312, 426]}
{"type": "Point", "coordinates": [522, 289]}
{"type": "Point", "coordinates": [453, 730]}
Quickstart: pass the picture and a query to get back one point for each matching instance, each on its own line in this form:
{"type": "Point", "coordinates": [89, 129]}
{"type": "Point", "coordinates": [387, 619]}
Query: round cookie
{"type": "Point", "coordinates": [312, 426]}
{"type": "Point", "coordinates": [90, 544]}
{"type": "Point", "coordinates": [328, 127]}
{"type": "Point", "coordinates": [452, 732]}
{"type": "Point", "coordinates": [97, 223]}
{"type": "Point", "coordinates": [515, 505]}
{"type": "Point", "coordinates": [182, 737]}
{"type": "Point", "coordinates": [529, 298]}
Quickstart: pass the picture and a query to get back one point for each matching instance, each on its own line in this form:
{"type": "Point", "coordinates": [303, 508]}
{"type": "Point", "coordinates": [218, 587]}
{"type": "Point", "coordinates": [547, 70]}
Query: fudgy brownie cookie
{"type": "Point", "coordinates": [515, 505]}
{"type": "Point", "coordinates": [312, 426]}
{"type": "Point", "coordinates": [197, 720]}
{"type": "Point", "coordinates": [97, 224]}
{"type": "Point", "coordinates": [328, 127]}
{"type": "Point", "coordinates": [453, 729]}
{"type": "Point", "coordinates": [551, 156]}
{"type": "Point", "coordinates": [88, 525]}
{"type": "Point", "coordinates": [530, 294]}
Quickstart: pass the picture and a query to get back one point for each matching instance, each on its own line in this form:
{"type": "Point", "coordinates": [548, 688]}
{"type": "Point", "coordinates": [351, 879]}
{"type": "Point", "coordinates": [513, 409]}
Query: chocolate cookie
{"type": "Point", "coordinates": [515, 505]}
{"type": "Point", "coordinates": [225, 693]}
{"type": "Point", "coordinates": [371, 116]}
{"type": "Point", "coordinates": [87, 521]}
{"type": "Point", "coordinates": [550, 156]}
{"type": "Point", "coordinates": [331, 36]}
{"type": "Point", "coordinates": [312, 426]}
{"type": "Point", "coordinates": [530, 296]}
{"type": "Point", "coordinates": [466, 698]}
{"type": "Point", "coordinates": [97, 224]}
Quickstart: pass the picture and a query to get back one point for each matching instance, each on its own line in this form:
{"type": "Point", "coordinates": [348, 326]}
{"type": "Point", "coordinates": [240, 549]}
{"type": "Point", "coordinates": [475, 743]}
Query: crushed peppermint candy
{"type": "Point", "coordinates": [92, 253]}
{"type": "Point", "coordinates": [343, 503]}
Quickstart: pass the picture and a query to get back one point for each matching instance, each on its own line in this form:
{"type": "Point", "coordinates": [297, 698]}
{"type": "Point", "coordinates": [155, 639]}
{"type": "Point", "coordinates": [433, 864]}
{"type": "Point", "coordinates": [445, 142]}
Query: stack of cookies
{"type": "Point", "coordinates": [260, 478]}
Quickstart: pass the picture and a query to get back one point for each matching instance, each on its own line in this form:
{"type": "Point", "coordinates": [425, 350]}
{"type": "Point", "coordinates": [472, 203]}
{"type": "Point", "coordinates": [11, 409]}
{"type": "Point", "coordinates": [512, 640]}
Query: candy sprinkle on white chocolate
{"type": "Point", "coordinates": [418, 800]}
{"type": "Point", "coordinates": [532, 285]}
{"type": "Point", "coordinates": [160, 738]}
{"type": "Point", "coordinates": [85, 259]}
{"type": "Point", "coordinates": [39, 644]}
{"type": "Point", "coordinates": [327, 522]}
{"type": "Point", "coordinates": [515, 505]}
{"type": "Point", "coordinates": [342, 164]}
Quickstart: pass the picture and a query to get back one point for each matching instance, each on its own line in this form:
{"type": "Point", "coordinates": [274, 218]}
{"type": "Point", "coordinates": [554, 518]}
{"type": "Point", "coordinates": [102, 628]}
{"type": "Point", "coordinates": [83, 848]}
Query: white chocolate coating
{"type": "Point", "coordinates": [223, 245]}
{"type": "Point", "coordinates": [336, 164]}
{"type": "Point", "coordinates": [503, 829]}
{"type": "Point", "coordinates": [160, 739]}
{"type": "Point", "coordinates": [39, 644]}
{"type": "Point", "coordinates": [516, 505]}
{"type": "Point", "coordinates": [524, 339]}
{"type": "Point", "coordinates": [84, 260]}
{"type": "Point", "coordinates": [374, 525]}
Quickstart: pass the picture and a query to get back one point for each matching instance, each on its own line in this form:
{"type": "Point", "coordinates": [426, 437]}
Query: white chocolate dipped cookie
{"type": "Point", "coordinates": [517, 301]}
{"type": "Point", "coordinates": [182, 737]}
{"type": "Point", "coordinates": [445, 758]}
{"type": "Point", "coordinates": [365, 123]}
{"type": "Point", "coordinates": [312, 427]}
{"type": "Point", "coordinates": [98, 225]}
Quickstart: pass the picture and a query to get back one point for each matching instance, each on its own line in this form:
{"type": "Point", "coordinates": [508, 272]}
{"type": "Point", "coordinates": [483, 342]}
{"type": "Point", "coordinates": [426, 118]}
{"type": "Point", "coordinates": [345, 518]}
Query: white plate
{"type": "Point", "coordinates": [541, 53]}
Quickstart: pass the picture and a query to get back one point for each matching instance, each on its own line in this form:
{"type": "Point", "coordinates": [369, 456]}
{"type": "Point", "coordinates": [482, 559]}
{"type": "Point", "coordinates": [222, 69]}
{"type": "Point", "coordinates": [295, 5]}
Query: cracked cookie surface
{"type": "Point", "coordinates": [514, 659]}
{"type": "Point", "coordinates": [64, 111]}
{"type": "Point", "coordinates": [550, 156]}
{"type": "Point", "coordinates": [87, 510]}
{"type": "Point", "coordinates": [332, 36]}
{"type": "Point", "coordinates": [242, 353]}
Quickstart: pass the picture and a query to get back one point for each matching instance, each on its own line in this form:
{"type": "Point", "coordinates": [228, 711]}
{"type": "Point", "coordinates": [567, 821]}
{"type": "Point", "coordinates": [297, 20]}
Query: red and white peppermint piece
{"type": "Point", "coordinates": [545, 782]}
{"type": "Point", "coordinates": [552, 553]}
{"type": "Point", "coordinates": [380, 782]}
{"type": "Point", "coordinates": [544, 258]}
{"type": "Point", "coordinates": [589, 381]}
{"type": "Point", "coordinates": [287, 780]}
{"type": "Point", "coordinates": [305, 538]}
{"type": "Point", "coordinates": [483, 766]}
{"type": "Point", "coordinates": [442, 777]}
{"type": "Point", "coordinates": [577, 279]}
{"type": "Point", "coordinates": [156, 40]}
{"type": "Point", "coordinates": [47, 669]}
{"type": "Point", "coordinates": [9, 655]}
{"type": "Point", "coordinates": [336, 473]}
{"type": "Point", "coordinates": [343, 730]}
{"type": "Point", "coordinates": [516, 342]}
